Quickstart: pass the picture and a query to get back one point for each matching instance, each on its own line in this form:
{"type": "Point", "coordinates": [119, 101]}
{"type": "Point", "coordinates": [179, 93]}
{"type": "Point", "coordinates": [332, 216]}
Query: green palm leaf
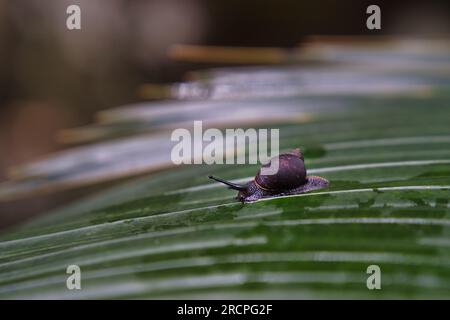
{"type": "Point", "coordinates": [175, 234]}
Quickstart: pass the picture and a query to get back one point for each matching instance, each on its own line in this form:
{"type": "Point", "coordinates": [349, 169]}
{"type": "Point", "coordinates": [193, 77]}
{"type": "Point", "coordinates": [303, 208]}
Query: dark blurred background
{"type": "Point", "coordinates": [52, 78]}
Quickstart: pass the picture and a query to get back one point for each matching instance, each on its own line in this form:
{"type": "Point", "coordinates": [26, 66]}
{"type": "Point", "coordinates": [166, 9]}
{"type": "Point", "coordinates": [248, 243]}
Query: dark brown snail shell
{"type": "Point", "coordinates": [290, 179]}
{"type": "Point", "coordinates": [291, 173]}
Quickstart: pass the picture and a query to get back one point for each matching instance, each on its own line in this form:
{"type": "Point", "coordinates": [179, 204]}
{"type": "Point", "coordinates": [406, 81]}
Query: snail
{"type": "Point", "coordinates": [290, 179]}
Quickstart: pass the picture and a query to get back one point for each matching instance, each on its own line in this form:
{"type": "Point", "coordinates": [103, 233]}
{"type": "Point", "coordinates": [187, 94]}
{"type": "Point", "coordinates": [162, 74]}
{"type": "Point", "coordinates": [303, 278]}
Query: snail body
{"type": "Point", "coordinates": [291, 178]}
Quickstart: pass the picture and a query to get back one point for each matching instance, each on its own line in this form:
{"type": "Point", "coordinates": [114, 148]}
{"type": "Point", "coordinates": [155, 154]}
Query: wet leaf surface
{"type": "Point", "coordinates": [175, 234]}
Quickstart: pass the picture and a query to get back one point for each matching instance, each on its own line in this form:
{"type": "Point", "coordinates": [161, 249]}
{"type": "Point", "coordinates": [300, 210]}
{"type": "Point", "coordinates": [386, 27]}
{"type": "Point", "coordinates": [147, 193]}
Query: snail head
{"type": "Point", "coordinates": [239, 187]}
{"type": "Point", "coordinates": [231, 185]}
